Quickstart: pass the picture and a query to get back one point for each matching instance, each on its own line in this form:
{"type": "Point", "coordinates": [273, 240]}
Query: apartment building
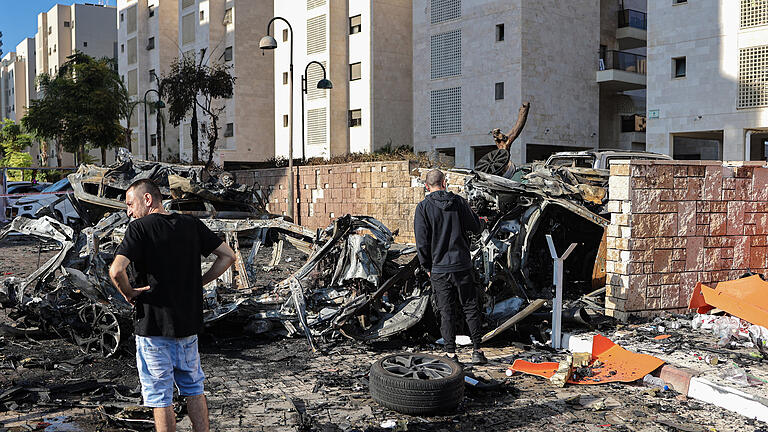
{"type": "Point", "coordinates": [476, 63]}
{"type": "Point", "coordinates": [365, 48]}
{"type": "Point", "coordinates": [17, 80]}
{"type": "Point", "coordinates": [153, 33]}
{"type": "Point", "coordinates": [88, 28]}
{"type": "Point", "coordinates": [707, 91]}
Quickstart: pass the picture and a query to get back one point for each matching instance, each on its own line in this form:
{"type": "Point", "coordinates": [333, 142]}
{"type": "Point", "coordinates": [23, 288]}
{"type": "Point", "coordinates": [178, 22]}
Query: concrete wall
{"type": "Point", "coordinates": [676, 223]}
{"type": "Point", "coordinates": [388, 191]}
{"type": "Point", "coordinates": [712, 59]}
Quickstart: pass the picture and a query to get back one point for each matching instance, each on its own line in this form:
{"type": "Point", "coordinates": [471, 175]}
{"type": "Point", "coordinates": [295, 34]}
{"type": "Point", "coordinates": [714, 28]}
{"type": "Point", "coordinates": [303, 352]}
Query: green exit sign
{"type": "Point", "coordinates": [653, 114]}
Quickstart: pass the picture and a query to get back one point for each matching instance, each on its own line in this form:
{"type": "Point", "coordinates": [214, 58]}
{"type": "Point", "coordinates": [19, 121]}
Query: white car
{"type": "Point", "coordinates": [54, 197]}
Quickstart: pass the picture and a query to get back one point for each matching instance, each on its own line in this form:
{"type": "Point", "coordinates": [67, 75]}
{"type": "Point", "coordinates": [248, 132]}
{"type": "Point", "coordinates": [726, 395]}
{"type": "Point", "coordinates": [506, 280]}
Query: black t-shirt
{"type": "Point", "coordinates": [166, 250]}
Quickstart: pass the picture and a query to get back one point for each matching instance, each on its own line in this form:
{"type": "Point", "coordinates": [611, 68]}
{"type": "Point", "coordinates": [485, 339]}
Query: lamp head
{"type": "Point", "coordinates": [325, 84]}
{"type": "Point", "coordinates": [267, 42]}
{"type": "Point", "coordinates": [160, 104]}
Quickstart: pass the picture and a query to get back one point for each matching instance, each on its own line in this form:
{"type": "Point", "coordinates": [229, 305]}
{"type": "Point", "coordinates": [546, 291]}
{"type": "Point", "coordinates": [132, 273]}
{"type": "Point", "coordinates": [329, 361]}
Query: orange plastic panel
{"type": "Point", "coordinates": [745, 298]}
{"type": "Point", "coordinates": [619, 365]}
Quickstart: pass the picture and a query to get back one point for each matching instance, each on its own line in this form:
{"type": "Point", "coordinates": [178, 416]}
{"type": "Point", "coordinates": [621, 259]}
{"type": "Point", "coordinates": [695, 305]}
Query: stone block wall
{"type": "Point", "coordinates": [675, 223]}
{"type": "Point", "coordinates": [388, 191]}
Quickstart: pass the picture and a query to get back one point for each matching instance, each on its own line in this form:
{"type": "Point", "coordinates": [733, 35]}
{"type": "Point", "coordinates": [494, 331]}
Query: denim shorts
{"type": "Point", "coordinates": [163, 361]}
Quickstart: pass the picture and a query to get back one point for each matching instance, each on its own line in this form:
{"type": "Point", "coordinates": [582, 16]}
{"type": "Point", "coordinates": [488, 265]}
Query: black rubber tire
{"type": "Point", "coordinates": [417, 396]}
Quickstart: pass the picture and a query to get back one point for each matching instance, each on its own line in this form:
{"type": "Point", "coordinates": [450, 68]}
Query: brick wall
{"type": "Point", "coordinates": [675, 223]}
{"type": "Point", "coordinates": [388, 191]}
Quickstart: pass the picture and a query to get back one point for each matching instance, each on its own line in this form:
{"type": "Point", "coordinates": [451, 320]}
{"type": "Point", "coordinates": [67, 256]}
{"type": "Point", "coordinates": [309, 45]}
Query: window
{"type": "Point", "coordinates": [131, 85]}
{"type": "Point", "coordinates": [66, 23]}
{"type": "Point", "coordinates": [187, 3]}
{"type": "Point", "coordinates": [122, 17]}
{"type": "Point", "coordinates": [678, 67]}
{"type": "Point", "coordinates": [679, 1]}
{"type": "Point", "coordinates": [285, 78]}
{"type": "Point", "coordinates": [228, 53]}
{"type": "Point", "coordinates": [499, 32]}
{"type": "Point", "coordinates": [151, 11]}
{"type": "Point", "coordinates": [153, 140]}
{"type": "Point", "coordinates": [355, 25]}
{"type": "Point", "coordinates": [132, 50]}
{"type": "Point", "coordinates": [316, 37]}
{"type": "Point", "coordinates": [445, 10]}
{"type": "Point", "coordinates": [202, 15]}
{"type": "Point", "coordinates": [753, 81]}
{"type": "Point", "coordinates": [227, 16]}
{"type": "Point", "coordinates": [445, 54]}
{"type": "Point", "coordinates": [229, 130]}
{"type": "Point", "coordinates": [132, 24]}
{"type": "Point", "coordinates": [445, 111]}
{"type": "Point", "coordinates": [314, 75]}
{"type": "Point", "coordinates": [285, 35]}
{"type": "Point", "coordinates": [122, 48]}
{"type": "Point", "coordinates": [54, 47]}
{"type": "Point", "coordinates": [499, 90]}
{"type": "Point", "coordinates": [285, 120]}
{"type": "Point", "coordinates": [355, 118]}
{"type": "Point", "coordinates": [317, 129]}
{"type": "Point", "coordinates": [311, 4]}
{"type": "Point", "coordinates": [354, 71]}
{"type": "Point", "coordinates": [754, 13]}
{"type": "Point", "coordinates": [188, 29]}
{"type": "Point", "coordinates": [151, 43]}
{"type": "Point", "coordinates": [49, 29]}
{"type": "Point", "coordinates": [151, 74]}
{"type": "Point", "coordinates": [446, 155]}
{"type": "Point", "coordinates": [85, 44]}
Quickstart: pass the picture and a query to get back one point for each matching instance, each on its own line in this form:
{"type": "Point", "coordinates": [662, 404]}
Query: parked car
{"type": "Point", "coordinates": [54, 197]}
{"type": "Point", "coordinates": [20, 187]}
{"type": "Point", "coordinates": [599, 159]}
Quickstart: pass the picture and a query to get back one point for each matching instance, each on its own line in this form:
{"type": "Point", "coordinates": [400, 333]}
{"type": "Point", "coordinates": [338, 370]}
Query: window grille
{"type": "Point", "coordinates": [316, 39]}
{"type": "Point", "coordinates": [311, 4]}
{"type": "Point", "coordinates": [753, 77]}
{"type": "Point", "coordinates": [754, 13]}
{"type": "Point", "coordinates": [445, 111]}
{"type": "Point", "coordinates": [445, 54]}
{"type": "Point", "coordinates": [315, 74]}
{"type": "Point", "coordinates": [445, 10]}
{"type": "Point", "coordinates": [316, 127]}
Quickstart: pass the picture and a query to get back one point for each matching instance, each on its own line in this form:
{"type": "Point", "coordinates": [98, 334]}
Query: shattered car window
{"type": "Point", "coordinates": [573, 161]}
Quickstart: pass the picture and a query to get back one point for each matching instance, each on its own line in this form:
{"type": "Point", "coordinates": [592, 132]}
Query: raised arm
{"type": "Point", "coordinates": [225, 257]}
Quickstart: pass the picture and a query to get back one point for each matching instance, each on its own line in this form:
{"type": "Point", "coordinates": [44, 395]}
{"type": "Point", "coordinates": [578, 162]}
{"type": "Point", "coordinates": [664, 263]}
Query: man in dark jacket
{"type": "Point", "coordinates": [441, 223]}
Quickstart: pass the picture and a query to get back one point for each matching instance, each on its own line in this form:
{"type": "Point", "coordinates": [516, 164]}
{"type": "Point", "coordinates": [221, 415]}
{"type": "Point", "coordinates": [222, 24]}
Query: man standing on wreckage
{"type": "Point", "coordinates": [165, 249]}
{"type": "Point", "coordinates": [441, 223]}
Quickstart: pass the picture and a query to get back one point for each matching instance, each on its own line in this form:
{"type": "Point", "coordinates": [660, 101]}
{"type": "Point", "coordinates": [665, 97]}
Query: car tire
{"type": "Point", "coordinates": [417, 384]}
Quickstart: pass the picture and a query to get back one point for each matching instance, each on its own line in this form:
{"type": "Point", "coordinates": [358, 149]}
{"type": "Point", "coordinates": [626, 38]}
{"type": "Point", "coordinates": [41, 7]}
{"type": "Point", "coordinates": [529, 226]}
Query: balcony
{"type": "Point", "coordinates": [632, 31]}
{"type": "Point", "coordinates": [621, 71]}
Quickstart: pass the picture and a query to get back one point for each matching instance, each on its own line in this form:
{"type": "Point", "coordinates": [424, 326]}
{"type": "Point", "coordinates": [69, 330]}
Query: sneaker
{"type": "Point", "coordinates": [478, 358]}
{"type": "Point", "coordinates": [453, 357]}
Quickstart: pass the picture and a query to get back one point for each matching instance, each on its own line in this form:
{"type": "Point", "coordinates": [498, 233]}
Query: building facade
{"type": "Point", "coordinates": [152, 34]}
{"type": "Point", "coordinates": [17, 80]}
{"type": "Point", "coordinates": [88, 28]}
{"type": "Point", "coordinates": [476, 63]}
{"type": "Point", "coordinates": [365, 48]}
{"type": "Point", "coordinates": [707, 93]}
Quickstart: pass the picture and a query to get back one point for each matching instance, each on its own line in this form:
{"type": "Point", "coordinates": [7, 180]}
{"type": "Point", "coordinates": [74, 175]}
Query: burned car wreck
{"type": "Point", "coordinates": [356, 281]}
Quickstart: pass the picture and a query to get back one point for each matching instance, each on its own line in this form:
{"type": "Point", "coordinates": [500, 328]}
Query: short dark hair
{"type": "Point", "coordinates": [147, 186]}
{"type": "Point", "coordinates": [435, 178]}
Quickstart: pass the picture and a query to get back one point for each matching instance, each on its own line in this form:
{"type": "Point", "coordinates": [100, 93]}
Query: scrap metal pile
{"type": "Point", "coordinates": [356, 281]}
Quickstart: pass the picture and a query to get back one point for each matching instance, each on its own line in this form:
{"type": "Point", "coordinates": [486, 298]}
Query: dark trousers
{"type": "Point", "coordinates": [450, 288]}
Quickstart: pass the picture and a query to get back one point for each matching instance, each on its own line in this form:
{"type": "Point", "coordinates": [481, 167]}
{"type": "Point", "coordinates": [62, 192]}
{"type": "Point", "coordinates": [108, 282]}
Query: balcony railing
{"type": "Point", "coordinates": [623, 60]}
{"type": "Point", "coordinates": [633, 18]}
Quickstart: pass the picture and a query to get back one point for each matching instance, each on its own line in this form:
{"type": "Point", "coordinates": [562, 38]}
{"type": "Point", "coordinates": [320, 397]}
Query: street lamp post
{"type": "Point", "coordinates": [269, 43]}
{"type": "Point", "coordinates": [322, 84]}
{"type": "Point", "coordinates": [159, 104]}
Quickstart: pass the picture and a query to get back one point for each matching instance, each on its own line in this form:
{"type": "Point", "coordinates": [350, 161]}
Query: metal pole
{"type": "Point", "coordinates": [3, 189]}
{"type": "Point", "coordinates": [557, 302]}
{"type": "Point", "coordinates": [303, 94]}
{"type": "Point", "coordinates": [146, 129]}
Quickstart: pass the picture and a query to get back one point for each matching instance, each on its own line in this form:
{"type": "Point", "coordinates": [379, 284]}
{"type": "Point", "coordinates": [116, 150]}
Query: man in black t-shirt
{"type": "Point", "coordinates": [166, 250]}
